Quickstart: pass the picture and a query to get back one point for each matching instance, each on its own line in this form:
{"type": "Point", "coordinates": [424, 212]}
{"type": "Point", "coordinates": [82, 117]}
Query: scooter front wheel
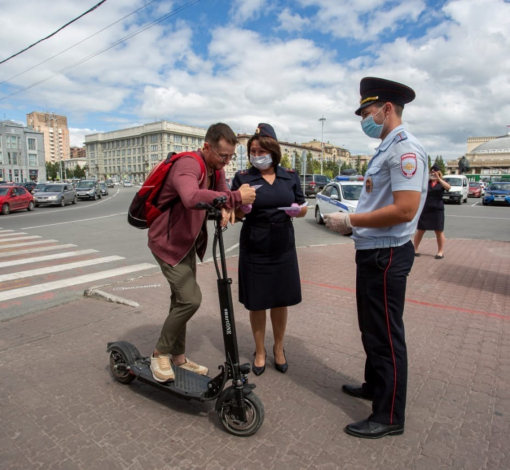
{"type": "Point", "coordinates": [254, 416]}
{"type": "Point", "coordinates": [121, 355]}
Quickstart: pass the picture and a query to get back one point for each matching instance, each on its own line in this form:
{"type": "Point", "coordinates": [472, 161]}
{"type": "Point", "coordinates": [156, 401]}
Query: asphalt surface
{"type": "Point", "coordinates": [102, 226]}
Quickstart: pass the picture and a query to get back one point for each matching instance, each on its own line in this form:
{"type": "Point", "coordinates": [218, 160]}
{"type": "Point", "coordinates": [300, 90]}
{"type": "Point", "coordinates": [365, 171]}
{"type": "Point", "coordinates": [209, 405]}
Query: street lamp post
{"type": "Point", "coordinates": [322, 119]}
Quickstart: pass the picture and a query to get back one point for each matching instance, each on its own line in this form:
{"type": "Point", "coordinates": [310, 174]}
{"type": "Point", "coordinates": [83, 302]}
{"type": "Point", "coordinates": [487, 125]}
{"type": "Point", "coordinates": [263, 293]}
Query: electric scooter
{"type": "Point", "coordinates": [240, 411]}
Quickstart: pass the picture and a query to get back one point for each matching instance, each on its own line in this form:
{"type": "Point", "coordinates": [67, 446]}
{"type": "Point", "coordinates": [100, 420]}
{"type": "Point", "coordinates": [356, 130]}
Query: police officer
{"type": "Point", "coordinates": [268, 264]}
{"type": "Point", "coordinates": [394, 192]}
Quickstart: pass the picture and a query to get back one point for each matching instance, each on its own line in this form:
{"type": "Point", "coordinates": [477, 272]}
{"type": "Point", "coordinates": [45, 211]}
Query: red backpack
{"type": "Point", "coordinates": [144, 210]}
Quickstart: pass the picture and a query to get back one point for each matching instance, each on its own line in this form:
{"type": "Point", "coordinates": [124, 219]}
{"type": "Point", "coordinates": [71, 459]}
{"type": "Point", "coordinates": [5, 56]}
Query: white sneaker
{"type": "Point", "coordinates": [162, 368]}
{"type": "Point", "coordinates": [194, 367]}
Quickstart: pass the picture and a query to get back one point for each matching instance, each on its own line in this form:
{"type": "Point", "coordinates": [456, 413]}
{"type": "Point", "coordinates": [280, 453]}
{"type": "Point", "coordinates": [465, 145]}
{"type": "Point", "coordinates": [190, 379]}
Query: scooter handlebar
{"type": "Point", "coordinates": [216, 204]}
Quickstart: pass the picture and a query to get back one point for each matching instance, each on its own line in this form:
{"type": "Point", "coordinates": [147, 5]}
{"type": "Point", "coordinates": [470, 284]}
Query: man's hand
{"type": "Point", "coordinates": [247, 194]}
{"type": "Point", "coordinates": [227, 215]}
{"type": "Point", "coordinates": [339, 222]}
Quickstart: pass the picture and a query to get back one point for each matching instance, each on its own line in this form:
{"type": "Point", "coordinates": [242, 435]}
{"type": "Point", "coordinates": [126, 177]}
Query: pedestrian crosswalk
{"type": "Point", "coordinates": [24, 272]}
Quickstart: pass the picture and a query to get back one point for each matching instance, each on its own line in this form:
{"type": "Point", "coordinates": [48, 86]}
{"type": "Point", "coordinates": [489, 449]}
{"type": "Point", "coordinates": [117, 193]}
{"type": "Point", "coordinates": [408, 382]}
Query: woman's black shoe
{"type": "Point", "coordinates": [281, 367]}
{"type": "Point", "coordinates": [258, 370]}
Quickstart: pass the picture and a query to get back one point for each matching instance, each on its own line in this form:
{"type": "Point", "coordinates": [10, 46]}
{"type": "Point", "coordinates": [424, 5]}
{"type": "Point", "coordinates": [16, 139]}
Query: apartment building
{"type": "Point", "coordinates": [21, 153]}
{"type": "Point", "coordinates": [132, 153]}
{"type": "Point", "coordinates": [78, 152]}
{"type": "Point", "coordinates": [56, 134]}
{"type": "Point", "coordinates": [332, 153]}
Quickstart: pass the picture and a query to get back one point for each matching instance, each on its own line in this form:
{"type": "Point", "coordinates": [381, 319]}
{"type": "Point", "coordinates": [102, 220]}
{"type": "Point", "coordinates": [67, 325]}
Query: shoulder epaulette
{"type": "Point", "coordinates": [400, 136]}
{"type": "Point", "coordinates": [289, 170]}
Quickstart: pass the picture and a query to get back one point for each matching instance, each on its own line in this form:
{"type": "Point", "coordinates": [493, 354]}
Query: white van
{"type": "Point", "coordinates": [459, 188]}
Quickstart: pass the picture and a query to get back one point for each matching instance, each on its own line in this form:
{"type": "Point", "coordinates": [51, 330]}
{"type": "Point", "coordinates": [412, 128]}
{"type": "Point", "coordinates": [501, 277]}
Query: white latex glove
{"type": "Point", "coordinates": [339, 222]}
{"type": "Point", "coordinates": [246, 208]}
{"type": "Point", "coordinates": [294, 212]}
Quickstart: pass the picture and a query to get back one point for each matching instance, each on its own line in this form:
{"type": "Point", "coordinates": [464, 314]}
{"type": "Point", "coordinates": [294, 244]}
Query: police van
{"type": "Point", "coordinates": [341, 195]}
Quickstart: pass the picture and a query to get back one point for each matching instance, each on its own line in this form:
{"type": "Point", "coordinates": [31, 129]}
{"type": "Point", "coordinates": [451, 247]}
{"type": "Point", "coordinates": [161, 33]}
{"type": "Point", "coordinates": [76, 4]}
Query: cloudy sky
{"type": "Point", "coordinates": [248, 61]}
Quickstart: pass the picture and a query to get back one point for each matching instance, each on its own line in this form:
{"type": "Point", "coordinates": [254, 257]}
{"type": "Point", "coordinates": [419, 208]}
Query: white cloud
{"type": "Point", "coordinates": [244, 10]}
{"type": "Point", "coordinates": [292, 22]}
{"type": "Point", "coordinates": [77, 136]}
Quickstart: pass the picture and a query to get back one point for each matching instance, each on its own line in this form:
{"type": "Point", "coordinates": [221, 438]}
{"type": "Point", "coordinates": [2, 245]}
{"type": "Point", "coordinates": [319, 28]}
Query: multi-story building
{"type": "Point", "coordinates": [332, 153]}
{"type": "Point", "coordinates": [78, 152]}
{"type": "Point", "coordinates": [357, 161]}
{"type": "Point", "coordinates": [132, 153]}
{"type": "Point", "coordinates": [56, 134]}
{"type": "Point", "coordinates": [21, 153]}
{"type": "Point", "coordinates": [486, 156]}
{"type": "Point", "coordinates": [71, 163]}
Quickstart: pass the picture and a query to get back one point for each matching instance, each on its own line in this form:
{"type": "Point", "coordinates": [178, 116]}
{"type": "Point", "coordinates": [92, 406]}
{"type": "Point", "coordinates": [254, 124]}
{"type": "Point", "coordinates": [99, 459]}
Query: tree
{"type": "Point", "coordinates": [52, 170]}
{"type": "Point", "coordinates": [440, 163]}
{"type": "Point", "coordinates": [430, 162]}
{"type": "Point", "coordinates": [364, 169]}
{"type": "Point", "coordinates": [285, 161]}
{"type": "Point", "coordinates": [79, 172]}
{"type": "Point", "coordinates": [309, 163]}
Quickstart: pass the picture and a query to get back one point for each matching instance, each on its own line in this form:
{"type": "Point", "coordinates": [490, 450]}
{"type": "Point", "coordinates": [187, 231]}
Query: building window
{"type": "Point", "coordinates": [154, 148]}
{"type": "Point", "coordinates": [154, 157]}
{"type": "Point", "coordinates": [13, 158]}
{"type": "Point", "coordinates": [31, 144]}
{"type": "Point", "coordinates": [129, 159]}
{"type": "Point", "coordinates": [123, 152]}
{"type": "Point", "coordinates": [177, 148]}
{"type": "Point", "coordinates": [193, 140]}
{"type": "Point", "coordinates": [129, 151]}
{"type": "Point", "coordinates": [92, 147]}
{"type": "Point", "coordinates": [154, 138]}
{"type": "Point", "coordinates": [118, 153]}
{"type": "Point", "coordinates": [178, 138]}
{"type": "Point", "coordinates": [32, 159]}
{"type": "Point", "coordinates": [1, 159]}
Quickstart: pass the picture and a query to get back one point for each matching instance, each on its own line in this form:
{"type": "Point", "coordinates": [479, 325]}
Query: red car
{"type": "Point", "coordinates": [475, 189]}
{"type": "Point", "coordinates": [15, 198]}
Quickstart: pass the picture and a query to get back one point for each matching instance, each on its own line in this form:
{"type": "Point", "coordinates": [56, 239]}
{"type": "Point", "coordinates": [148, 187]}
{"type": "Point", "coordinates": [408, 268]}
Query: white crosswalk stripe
{"type": "Point", "coordinates": [3, 234]}
{"type": "Point", "coordinates": [39, 259]}
{"type": "Point", "coordinates": [8, 254]}
{"type": "Point", "coordinates": [56, 271]}
{"type": "Point", "coordinates": [15, 239]}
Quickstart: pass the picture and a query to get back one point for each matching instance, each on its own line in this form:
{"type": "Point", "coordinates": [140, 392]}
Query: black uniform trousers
{"type": "Point", "coordinates": [381, 278]}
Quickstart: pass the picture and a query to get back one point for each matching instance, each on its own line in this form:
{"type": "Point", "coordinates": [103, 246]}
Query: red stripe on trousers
{"type": "Point", "coordinates": [391, 342]}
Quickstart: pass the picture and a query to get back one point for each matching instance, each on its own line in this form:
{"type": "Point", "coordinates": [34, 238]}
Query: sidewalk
{"type": "Point", "coordinates": [61, 409]}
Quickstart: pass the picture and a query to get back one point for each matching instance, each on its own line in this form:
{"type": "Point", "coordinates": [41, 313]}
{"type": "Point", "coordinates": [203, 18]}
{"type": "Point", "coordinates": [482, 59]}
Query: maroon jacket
{"type": "Point", "coordinates": [174, 232]}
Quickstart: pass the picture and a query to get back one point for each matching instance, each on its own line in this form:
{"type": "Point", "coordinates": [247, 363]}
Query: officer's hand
{"type": "Point", "coordinates": [247, 194]}
{"type": "Point", "coordinates": [339, 222]}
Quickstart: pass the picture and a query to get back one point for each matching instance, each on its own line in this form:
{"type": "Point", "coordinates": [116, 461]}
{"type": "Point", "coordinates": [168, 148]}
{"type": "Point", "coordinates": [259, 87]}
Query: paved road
{"type": "Point", "coordinates": [91, 243]}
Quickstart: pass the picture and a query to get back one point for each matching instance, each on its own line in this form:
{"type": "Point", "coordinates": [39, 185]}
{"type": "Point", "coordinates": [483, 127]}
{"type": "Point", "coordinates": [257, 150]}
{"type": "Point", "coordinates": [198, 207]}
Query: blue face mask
{"type": "Point", "coordinates": [371, 128]}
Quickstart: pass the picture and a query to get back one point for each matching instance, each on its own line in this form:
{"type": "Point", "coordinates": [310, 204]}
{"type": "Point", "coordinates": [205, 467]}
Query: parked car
{"type": "Point", "coordinates": [39, 186]}
{"type": "Point", "coordinates": [88, 189]}
{"type": "Point", "coordinates": [313, 183]}
{"type": "Point", "coordinates": [29, 186]}
{"type": "Point", "coordinates": [475, 189]}
{"type": "Point", "coordinates": [110, 183]}
{"type": "Point", "coordinates": [458, 192]}
{"type": "Point", "coordinates": [104, 189]}
{"type": "Point", "coordinates": [338, 196]}
{"type": "Point", "coordinates": [57, 194]}
{"type": "Point", "coordinates": [497, 193]}
{"type": "Point", "coordinates": [127, 184]}
{"type": "Point", "coordinates": [15, 198]}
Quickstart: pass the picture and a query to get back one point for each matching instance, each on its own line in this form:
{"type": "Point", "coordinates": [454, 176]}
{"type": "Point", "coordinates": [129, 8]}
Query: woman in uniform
{"type": "Point", "coordinates": [432, 216]}
{"type": "Point", "coordinates": [268, 266]}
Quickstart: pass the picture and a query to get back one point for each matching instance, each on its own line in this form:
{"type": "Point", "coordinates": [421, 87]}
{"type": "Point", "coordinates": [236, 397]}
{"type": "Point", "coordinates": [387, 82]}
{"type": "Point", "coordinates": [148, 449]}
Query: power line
{"type": "Point", "coordinates": [85, 59]}
{"type": "Point", "coordinates": [78, 43]}
{"type": "Point", "coordinates": [55, 32]}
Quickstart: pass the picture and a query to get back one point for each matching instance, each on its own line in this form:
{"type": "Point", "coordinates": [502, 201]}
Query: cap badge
{"type": "Point", "coordinates": [257, 130]}
{"type": "Point", "coordinates": [369, 185]}
{"type": "Point", "coordinates": [370, 98]}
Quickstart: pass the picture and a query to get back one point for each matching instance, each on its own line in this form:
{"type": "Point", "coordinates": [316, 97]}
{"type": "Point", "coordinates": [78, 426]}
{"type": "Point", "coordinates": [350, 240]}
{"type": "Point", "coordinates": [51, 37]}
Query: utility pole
{"type": "Point", "coordinates": [322, 119]}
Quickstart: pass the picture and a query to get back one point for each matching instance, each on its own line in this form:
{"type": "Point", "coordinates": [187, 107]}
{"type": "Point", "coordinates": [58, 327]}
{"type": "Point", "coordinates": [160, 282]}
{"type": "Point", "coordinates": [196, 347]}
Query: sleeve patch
{"type": "Point", "coordinates": [408, 164]}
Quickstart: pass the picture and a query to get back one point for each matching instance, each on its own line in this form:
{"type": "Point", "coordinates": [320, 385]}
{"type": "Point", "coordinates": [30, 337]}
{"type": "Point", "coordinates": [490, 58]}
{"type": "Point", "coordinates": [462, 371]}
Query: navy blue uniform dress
{"type": "Point", "coordinates": [432, 216]}
{"type": "Point", "coordinates": [268, 266]}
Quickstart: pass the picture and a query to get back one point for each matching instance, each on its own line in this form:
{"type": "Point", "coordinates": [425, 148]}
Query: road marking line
{"type": "Point", "coordinates": [75, 221]}
{"type": "Point", "coordinates": [58, 268]}
{"type": "Point", "coordinates": [11, 234]}
{"type": "Point", "coordinates": [233, 247]}
{"type": "Point", "coordinates": [31, 237]}
{"type": "Point", "coordinates": [39, 259]}
{"type": "Point", "coordinates": [35, 250]}
{"type": "Point", "coordinates": [38, 242]}
{"type": "Point", "coordinates": [73, 281]}
{"type": "Point", "coordinates": [5, 231]}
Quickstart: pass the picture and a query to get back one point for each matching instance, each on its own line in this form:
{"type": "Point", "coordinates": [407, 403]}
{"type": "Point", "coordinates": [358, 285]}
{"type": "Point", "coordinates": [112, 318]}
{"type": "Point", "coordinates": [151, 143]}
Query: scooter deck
{"type": "Point", "coordinates": [187, 383]}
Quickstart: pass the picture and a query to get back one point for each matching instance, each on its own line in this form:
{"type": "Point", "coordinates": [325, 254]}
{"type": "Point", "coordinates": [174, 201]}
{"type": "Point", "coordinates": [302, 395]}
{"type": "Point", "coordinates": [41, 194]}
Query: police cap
{"type": "Point", "coordinates": [374, 89]}
{"type": "Point", "coordinates": [265, 130]}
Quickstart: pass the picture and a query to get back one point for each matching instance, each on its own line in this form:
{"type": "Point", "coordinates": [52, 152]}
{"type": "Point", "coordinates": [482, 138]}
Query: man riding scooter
{"type": "Point", "coordinates": [179, 234]}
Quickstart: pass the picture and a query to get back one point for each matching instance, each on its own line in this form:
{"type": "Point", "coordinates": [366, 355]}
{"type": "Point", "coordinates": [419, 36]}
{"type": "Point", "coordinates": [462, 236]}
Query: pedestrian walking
{"type": "Point", "coordinates": [179, 234]}
{"type": "Point", "coordinates": [393, 194]}
{"type": "Point", "coordinates": [432, 216]}
{"type": "Point", "coordinates": [268, 265]}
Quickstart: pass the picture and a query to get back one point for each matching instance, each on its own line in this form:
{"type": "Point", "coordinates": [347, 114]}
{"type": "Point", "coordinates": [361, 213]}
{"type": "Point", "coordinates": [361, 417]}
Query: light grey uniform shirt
{"type": "Point", "coordinates": [399, 164]}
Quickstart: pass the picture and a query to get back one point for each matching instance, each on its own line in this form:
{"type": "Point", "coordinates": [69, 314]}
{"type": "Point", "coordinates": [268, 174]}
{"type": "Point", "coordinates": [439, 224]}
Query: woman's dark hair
{"type": "Point", "coordinates": [269, 144]}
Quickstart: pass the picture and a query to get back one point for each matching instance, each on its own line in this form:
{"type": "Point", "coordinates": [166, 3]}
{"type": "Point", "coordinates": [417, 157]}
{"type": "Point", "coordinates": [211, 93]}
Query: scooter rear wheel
{"type": "Point", "coordinates": [254, 416]}
{"type": "Point", "coordinates": [121, 355]}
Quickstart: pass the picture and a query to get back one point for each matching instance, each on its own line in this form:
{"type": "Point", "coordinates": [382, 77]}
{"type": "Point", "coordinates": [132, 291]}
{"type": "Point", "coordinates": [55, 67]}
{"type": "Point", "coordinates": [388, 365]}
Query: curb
{"type": "Point", "coordinates": [101, 295]}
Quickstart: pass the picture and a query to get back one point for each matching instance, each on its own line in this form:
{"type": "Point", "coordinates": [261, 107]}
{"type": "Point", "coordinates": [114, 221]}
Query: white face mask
{"type": "Point", "coordinates": [263, 162]}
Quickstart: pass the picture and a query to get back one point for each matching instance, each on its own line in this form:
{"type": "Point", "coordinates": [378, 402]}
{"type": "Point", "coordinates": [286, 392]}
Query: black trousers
{"type": "Point", "coordinates": [381, 278]}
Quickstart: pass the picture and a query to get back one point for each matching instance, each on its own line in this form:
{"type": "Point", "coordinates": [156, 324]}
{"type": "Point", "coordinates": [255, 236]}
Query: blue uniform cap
{"type": "Point", "coordinates": [374, 89]}
{"type": "Point", "coordinates": [265, 130]}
